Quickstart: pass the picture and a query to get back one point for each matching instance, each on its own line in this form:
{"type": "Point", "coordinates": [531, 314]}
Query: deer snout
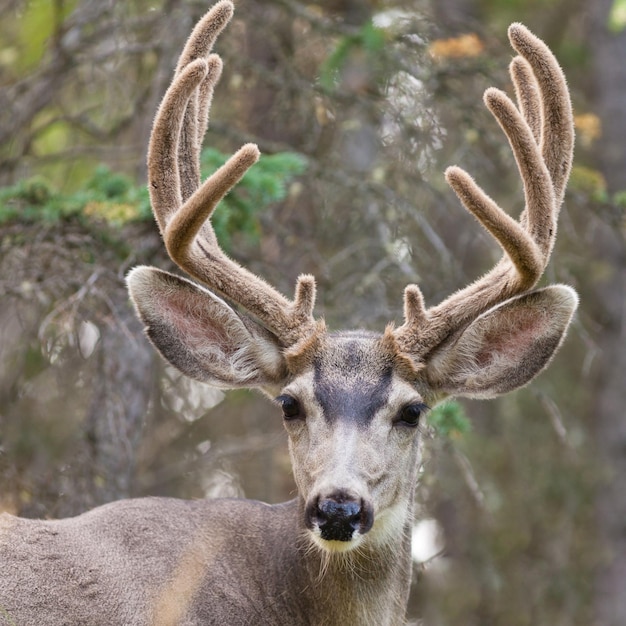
{"type": "Point", "coordinates": [339, 516]}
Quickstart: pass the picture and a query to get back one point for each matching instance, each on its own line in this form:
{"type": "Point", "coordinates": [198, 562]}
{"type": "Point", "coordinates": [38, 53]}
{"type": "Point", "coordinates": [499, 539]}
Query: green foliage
{"type": "Point", "coordinates": [619, 198]}
{"type": "Point", "coordinates": [263, 184]}
{"type": "Point", "coordinates": [368, 39]}
{"type": "Point", "coordinates": [503, 13]}
{"type": "Point", "coordinates": [105, 196]}
{"type": "Point", "coordinates": [449, 420]}
{"type": "Point", "coordinates": [115, 199]}
{"type": "Point", "coordinates": [617, 16]}
{"type": "Point", "coordinates": [589, 182]}
{"type": "Point", "coordinates": [31, 30]}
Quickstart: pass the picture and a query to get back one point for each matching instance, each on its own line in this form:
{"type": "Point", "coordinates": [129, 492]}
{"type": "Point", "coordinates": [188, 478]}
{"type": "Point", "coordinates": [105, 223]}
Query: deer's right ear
{"type": "Point", "coordinates": [201, 335]}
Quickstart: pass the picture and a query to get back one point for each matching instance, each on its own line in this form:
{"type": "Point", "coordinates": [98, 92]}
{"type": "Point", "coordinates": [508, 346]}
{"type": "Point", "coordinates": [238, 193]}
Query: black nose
{"type": "Point", "coordinates": [339, 516]}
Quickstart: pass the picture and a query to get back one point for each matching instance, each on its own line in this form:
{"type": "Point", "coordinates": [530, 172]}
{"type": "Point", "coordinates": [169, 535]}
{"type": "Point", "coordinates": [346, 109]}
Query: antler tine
{"type": "Point", "coordinates": [183, 207]}
{"type": "Point", "coordinates": [527, 94]}
{"type": "Point", "coordinates": [198, 46]}
{"type": "Point", "coordinates": [557, 133]}
{"type": "Point", "coordinates": [164, 181]}
{"type": "Point", "coordinates": [541, 137]}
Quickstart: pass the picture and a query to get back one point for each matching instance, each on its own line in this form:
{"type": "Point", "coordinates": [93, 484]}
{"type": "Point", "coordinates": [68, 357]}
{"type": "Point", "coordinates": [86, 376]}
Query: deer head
{"type": "Point", "coordinates": [352, 400]}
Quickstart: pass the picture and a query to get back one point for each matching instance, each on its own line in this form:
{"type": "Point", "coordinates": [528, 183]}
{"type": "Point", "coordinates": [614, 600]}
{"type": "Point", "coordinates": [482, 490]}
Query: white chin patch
{"type": "Point", "coordinates": [336, 546]}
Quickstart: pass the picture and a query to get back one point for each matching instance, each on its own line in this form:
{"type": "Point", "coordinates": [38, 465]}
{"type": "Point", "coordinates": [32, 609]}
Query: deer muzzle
{"type": "Point", "coordinates": [339, 516]}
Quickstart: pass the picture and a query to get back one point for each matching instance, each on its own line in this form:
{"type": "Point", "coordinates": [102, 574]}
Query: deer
{"type": "Point", "coordinates": [351, 401]}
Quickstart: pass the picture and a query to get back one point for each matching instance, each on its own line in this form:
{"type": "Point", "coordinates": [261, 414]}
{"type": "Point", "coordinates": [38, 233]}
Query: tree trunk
{"type": "Point", "coordinates": [609, 75]}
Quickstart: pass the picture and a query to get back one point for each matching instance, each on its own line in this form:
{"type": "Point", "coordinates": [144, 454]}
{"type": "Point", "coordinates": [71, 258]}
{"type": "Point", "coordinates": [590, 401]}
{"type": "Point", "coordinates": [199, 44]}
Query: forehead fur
{"type": "Point", "coordinates": [356, 354]}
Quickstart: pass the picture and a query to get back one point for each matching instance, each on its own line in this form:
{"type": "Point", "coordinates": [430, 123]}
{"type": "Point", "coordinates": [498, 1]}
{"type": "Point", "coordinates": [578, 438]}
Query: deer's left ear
{"type": "Point", "coordinates": [505, 347]}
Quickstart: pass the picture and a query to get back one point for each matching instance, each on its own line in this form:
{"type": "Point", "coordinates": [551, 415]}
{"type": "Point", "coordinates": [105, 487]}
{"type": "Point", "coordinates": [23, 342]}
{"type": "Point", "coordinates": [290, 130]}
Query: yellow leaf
{"type": "Point", "coordinates": [589, 127]}
{"type": "Point", "coordinates": [469, 45]}
{"type": "Point", "coordinates": [111, 212]}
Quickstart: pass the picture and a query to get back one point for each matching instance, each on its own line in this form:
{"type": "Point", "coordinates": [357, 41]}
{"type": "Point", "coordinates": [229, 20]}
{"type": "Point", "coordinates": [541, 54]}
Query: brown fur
{"type": "Point", "coordinates": [340, 551]}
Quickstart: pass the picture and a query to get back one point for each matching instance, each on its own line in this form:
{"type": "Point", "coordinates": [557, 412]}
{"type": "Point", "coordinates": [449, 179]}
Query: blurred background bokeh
{"type": "Point", "coordinates": [358, 107]}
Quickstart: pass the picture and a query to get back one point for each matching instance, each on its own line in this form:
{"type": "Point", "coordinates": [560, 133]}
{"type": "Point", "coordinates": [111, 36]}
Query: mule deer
{"type": "Point", "coordinates": [351, 401]}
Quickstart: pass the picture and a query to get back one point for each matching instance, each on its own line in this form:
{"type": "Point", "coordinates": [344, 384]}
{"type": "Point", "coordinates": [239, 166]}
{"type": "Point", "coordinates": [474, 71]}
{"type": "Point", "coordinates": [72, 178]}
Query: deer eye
{"type": "Point", "coordinates": [290, 406]}
{"type": "Point", "coordinates": [410, 414]}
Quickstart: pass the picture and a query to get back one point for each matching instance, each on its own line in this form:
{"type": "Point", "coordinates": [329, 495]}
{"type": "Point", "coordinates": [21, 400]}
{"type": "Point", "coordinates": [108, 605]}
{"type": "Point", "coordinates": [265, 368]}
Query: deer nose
{"type": "Point", "coordinates": [339, 516]}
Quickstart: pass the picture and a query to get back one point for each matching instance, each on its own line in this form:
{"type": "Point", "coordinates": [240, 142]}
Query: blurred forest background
{"type": "Point", "coordinates": [358, 106]}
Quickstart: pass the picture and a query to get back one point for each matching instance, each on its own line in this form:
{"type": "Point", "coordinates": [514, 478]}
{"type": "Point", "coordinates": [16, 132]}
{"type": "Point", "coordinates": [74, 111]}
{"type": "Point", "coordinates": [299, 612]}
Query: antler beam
{"type": "Point", "coordinates": [183, 206]}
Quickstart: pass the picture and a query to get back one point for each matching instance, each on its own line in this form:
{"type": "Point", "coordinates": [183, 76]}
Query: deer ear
{"type": "Point", "coordinates": [201, 335]}
{"type": "Point", "coordinates": [505, 347]}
